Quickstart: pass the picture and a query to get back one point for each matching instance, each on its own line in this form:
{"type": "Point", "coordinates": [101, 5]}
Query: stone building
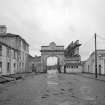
{"type": "Point", "coordinates": [89, 64]}
{"type": "Point", "coordinates": [73, 65]}
{"type": "Point", "coordinates": [34, 63]}
{"type": "Point", "coordinates": [14, 52]}
{"type": "Point", "coordinates": [72, 58]}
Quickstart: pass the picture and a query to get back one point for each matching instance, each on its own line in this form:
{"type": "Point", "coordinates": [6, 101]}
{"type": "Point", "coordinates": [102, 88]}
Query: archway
{"type": "Point", "coordinates": [52, 63]}
{"type": "Point", "coordinates": [56, 54]}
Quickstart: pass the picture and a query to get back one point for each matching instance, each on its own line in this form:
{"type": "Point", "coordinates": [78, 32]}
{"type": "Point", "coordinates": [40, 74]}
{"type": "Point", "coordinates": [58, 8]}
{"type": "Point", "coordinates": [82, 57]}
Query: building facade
{"type": "Point", "coordinates": [89, 64]}
{"type": "Point", "coordinates": [73, 65]}
{"type": "Point", "coordinates": [72, 58]}
{"type": "Point", "coordinates": [14, 51]}
{"type": "Point", "coordinates": [8, 60]}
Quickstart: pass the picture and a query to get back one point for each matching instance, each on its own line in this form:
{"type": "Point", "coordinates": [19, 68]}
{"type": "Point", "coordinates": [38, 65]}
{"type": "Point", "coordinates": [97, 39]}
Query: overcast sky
{"type": "Point", "coordinates": [44, 21]}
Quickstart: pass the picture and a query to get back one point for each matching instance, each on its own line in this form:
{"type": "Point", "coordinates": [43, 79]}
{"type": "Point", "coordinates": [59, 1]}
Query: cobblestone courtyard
{"type": "Point", "coordinates": [60, 89]}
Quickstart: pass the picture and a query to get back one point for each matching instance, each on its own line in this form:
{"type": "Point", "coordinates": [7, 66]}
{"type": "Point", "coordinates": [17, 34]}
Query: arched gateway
{"type": "Point", "coordinates": [52, 51]}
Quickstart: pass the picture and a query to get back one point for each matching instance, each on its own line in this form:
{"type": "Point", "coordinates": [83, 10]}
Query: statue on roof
{"type": "Point", "coordinates": [73, 49]}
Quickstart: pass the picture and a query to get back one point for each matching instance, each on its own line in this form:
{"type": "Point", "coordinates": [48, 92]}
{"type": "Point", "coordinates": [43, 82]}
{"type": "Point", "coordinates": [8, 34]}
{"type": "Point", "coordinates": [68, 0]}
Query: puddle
{"type": "Point", "coordinates": [62, 89]}
{"type": "Point", "coordinates": [44, 96]}
{"type": "Point", "coordinates": [88, 98]}
{"type": "Point", "coordinates": [52, 83]}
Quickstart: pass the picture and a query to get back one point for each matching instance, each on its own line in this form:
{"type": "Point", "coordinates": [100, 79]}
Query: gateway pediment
{"type": "Point", "coordinates": [52, 45]}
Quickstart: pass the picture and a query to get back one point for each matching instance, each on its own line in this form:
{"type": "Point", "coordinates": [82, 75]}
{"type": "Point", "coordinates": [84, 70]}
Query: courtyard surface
{"type": "Point", "coordinates": [53, 89]}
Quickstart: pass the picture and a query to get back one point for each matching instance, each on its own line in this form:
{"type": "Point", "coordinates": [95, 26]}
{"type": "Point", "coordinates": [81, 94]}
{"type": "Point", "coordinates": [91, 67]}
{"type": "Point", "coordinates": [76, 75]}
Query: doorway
{"type": "Point", "coordinates": [99, 69]}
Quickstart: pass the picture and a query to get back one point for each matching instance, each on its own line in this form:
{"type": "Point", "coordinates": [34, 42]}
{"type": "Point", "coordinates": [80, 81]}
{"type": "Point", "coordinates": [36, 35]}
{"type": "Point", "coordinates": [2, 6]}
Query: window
{"type": "Point", "coordinates": [14, 65]}
{"type": "Point", "coordinates": [32, 67]}
{"type": "Point", "coordinates": [0, 67]}
{"type": "Point", "coordinates": [22, 65]}
{"type": "Point", "coordinates": [8, 67]}
{"type": "Point", "coordinates": [104, 61]}
{"type": "Point", "coordinates": [23, 55]}
{"type": "Point", "coordinates": [14, 54]}
{"type": "Point", "coordinates": [88, 68]}
{"type": "Point", "coordinates": [19, 55]}
{"type": "Point", "coordinates": [8, 52]}
{"type": "Point", "coordinates": [0, 50]}
{"type": "Point", "coordinates": [99, 66]}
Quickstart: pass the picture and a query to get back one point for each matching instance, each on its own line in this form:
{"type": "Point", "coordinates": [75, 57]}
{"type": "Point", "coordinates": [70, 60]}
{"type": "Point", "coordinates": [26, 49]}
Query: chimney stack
{"type": "Point", "coordinates": [3, 29]}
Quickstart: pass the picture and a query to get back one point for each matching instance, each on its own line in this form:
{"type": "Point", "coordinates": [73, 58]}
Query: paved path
{"type": "Point", "coordinates": [60, 89]}
{"type": "Point", "coordinates": [92, 76]}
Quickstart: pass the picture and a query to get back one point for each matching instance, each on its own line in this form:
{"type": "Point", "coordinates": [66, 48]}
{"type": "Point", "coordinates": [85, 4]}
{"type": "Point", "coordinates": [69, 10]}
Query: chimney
{"type": "Point", "coordinates": [3, 29]}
